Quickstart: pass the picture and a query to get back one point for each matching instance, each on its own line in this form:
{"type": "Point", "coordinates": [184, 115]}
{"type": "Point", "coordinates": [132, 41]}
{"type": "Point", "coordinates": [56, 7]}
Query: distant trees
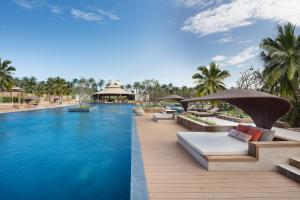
{"type": "Point", "coordinates": [210, 79]}
{"type": "Point", "coordinates": [149, 90]}
{"type": "Point", "coordinates": [251, 79]}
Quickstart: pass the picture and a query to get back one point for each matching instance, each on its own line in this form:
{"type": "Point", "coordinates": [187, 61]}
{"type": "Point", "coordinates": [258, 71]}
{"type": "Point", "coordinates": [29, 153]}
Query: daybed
{"type": "Point", "coordinates": [219, 151]}
{"type": "Point", "coordinates": [207, 143]}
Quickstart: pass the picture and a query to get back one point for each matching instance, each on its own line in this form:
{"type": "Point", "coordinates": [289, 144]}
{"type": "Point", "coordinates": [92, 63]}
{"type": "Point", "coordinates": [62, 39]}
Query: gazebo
{"type": "Point", "coordinates": [262, 107]}
{"type": "Point", "coordinates": [113, 92]}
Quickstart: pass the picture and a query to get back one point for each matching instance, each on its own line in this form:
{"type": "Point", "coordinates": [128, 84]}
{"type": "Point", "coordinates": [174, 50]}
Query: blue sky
{"type": "Point", "coordinates": [133, 40]}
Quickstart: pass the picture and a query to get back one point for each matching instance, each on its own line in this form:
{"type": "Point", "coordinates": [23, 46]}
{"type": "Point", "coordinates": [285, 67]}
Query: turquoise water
{"type": "Point", "coordinates": [54, 154]}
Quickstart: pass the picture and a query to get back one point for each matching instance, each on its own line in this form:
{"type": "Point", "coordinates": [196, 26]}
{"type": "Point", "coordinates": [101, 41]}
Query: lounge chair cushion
{"type": "Point", "coordinates": [240, 136]}
{"type": "Point", "coordinates": [234, 133]}
{"type": "Point", "coordinates": [162, 116]}
{"type": "Point", "coordinates": [255, 133]}
{"type": "Point", "coordinates": [244, 137]}
{"type": "Point", "coordinates": [242, 128]}
{"type": "Point", "coordinates": [267, 135]}
{"type": "Point", "coordinates": [218, 143]}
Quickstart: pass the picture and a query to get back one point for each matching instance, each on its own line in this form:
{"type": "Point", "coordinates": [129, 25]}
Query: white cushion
{"type": "Point", "coordinates": [212, 143]}
{"type": "Point", "coordinates": [234, 133]}
{"type": "Point", "coordinates": [162, 116]}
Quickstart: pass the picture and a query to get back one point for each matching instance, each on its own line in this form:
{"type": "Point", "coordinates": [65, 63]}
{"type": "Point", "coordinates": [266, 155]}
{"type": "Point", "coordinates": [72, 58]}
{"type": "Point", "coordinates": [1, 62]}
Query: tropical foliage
{"type": "Point", "coordinates": [210, 79]}
{"type": "Point", "coordinates": [281, 57]}
{"type": "Point", "coordinates": [6, 72]}
{"type": "Point", "coordinates": [251, 79]}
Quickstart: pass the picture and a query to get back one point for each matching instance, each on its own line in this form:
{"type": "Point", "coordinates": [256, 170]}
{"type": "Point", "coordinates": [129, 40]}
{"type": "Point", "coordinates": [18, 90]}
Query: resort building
{"type": "Point", "coordinates": [114, 92]}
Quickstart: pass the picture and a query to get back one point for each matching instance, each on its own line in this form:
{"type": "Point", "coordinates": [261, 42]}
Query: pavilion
{"type": "Point", "coordinates": [113, 92]}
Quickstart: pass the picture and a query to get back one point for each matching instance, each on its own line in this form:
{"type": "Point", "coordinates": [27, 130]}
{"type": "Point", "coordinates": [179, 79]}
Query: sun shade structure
{"type": "Point", "coordinates": [113, 90]}
{"type": "Point", "coordinates": [171, 97]}
{"type": "Point", "coordinates": [175, 98]}
{"type": "Point", "coordinates": [263, 108]}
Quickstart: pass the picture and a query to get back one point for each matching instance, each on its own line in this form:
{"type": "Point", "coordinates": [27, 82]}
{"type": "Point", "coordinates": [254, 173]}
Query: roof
{"type": "Point", "coordinates": [17, 89]}
{"type": "Point", "coordinates": [31, 97]}
{"type": "Point", "coordinates": [171, 97]}
{"type": "Point", "coordinates": [114, 87]}
{"type": "Point", "coordinates": [262, 107]}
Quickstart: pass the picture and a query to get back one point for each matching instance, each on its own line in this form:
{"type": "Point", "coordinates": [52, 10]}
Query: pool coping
{"type": "Point", "coordinates": [37, 109]}
{"type": "Point", "coordinates": [138, 185]}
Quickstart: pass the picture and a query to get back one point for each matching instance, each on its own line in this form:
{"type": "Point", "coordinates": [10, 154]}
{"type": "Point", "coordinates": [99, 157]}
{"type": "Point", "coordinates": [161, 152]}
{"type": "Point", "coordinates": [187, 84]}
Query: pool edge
{"type": "Point", "coordinates": [138, 185]}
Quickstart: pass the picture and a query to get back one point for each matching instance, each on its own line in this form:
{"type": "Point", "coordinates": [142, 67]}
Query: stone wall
{"type": "Point", "coordinates": [235, 119]}
{"type": "Point", "coordinates": [152, 110]}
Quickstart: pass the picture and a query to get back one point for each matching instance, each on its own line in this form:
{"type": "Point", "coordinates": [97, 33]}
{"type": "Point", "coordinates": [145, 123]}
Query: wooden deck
{"type": "Point", "coordinates": [172, 173]}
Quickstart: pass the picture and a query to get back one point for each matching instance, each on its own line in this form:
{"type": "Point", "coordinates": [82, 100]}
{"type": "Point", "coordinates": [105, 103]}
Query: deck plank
{"type": "Point", "coordinates": [172, 173]}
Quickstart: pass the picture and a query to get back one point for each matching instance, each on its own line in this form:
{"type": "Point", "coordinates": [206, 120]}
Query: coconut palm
{"type": "Point", "coordinates": [6, 72]}
{"type": "Point", "coordinates": [59, 86]}
{"type": "Point", "coordinates": [281, 58]}
{"type": "Point", "coordinates": [29, 84]}
{"type": "Point", "coordinates": [101, 83]}
{"type": "Point", "coordinates": [210, 79]}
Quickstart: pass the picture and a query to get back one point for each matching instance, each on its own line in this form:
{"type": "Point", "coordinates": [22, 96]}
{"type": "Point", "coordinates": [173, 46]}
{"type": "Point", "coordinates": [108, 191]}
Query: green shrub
{"type": "Point", "coordinates": [199, 119]}
{"type": "Point", "coordinates": [8, 99]}
{"type": "Point", "coordinates": [293, 117]}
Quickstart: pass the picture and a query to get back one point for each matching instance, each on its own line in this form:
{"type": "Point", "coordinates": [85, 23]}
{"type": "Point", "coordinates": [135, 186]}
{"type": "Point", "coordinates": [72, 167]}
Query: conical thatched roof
{"type": "Point", "coordinates": [114, 88]}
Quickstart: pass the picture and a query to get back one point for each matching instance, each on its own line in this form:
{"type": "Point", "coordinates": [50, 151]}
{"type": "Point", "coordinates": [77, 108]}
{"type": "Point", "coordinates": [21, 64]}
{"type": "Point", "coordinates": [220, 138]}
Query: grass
{"type": "Point", "coordinates": [205, 121]}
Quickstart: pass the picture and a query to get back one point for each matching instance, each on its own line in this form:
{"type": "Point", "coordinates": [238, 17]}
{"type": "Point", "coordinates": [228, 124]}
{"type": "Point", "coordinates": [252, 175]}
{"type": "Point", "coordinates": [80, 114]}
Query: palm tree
{"type": "Point", "coordinates": [29, 84]}
{"type": "Point", "coordinates": [6, 72]}
{"type": "Point", "coordinates": [40, 89]}
{"type": "Point", "coordinates": [59, 87]}
{"type": "Point", "coordinates": [128, 87]}
{"type": "Point", "coordinates": [49, 87]}
{"type": "Point", "coordinates": [101, 83]}
{"type": "Point", "coordinates": [210, 79]}
{"type": "Point", "coordinates": [136, 87]}
{"type": "Point", "coordinates": [281, 58]}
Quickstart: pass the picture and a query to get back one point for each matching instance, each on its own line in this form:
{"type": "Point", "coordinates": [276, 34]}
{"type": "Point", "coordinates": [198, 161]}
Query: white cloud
{"type": "Point", "coordinates": [25, 3]}
{"type": "Point", "coordinates": [218, 58]}
{"type": "Point", "coordinates": [55, 9]}
{"type": "Point", "coordinates": [244, 56]}
{"type": "Point", "coordinates": [239, 13]}
{"type": "Point", "coordinates": [108, 14]}
{"type": "Point", "coordinates": [225, 40]}
{"type": "Point", "coordinates": [195, 3]}
{"type": "Point", "coordinates": [87, 16]}
{"type": "Point", "coordinates": [245, 41]}
{"type": "Point", "coordinates": [239, 59]}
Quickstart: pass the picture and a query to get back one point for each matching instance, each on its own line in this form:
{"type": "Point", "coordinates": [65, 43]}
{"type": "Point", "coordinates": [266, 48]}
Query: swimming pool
{"type": "Point", "coordinates": [54, 154]}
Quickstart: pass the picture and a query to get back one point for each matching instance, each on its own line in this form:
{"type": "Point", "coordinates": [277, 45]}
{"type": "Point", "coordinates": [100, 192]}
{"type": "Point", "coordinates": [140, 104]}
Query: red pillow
{"type": "Point", "coordinates": [256, 134]}
{"type": "Point", "coordinates": [242, 128]}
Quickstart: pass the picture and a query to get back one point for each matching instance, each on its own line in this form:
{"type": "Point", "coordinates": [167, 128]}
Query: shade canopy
{"type": "Point", "coordinates": [171, 97]}
{"type": "Point", "coordinates": [113, 89]}
{"type": "Point", "coordinates": [263, 108]}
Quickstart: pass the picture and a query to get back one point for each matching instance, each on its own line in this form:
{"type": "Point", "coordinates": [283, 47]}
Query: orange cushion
{"type": "Point", "coordinates": [242, 128]}
{"type": "Point", "coordinates": [256, 134]}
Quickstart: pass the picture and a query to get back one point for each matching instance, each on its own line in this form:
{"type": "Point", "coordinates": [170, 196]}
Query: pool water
{"type": "Point", "coordinates": [55, 154]}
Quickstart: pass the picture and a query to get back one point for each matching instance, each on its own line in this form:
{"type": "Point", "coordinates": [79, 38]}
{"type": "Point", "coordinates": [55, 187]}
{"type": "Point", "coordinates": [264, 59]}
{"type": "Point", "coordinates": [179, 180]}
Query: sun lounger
{"type": "Point", "coordinates": [161, 116]}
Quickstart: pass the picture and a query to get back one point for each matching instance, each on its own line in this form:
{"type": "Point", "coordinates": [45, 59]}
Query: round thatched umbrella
{"type": "Point", "coordinates": [263, 108]}
{"type": "Point", "coordinates": [175, 98]}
